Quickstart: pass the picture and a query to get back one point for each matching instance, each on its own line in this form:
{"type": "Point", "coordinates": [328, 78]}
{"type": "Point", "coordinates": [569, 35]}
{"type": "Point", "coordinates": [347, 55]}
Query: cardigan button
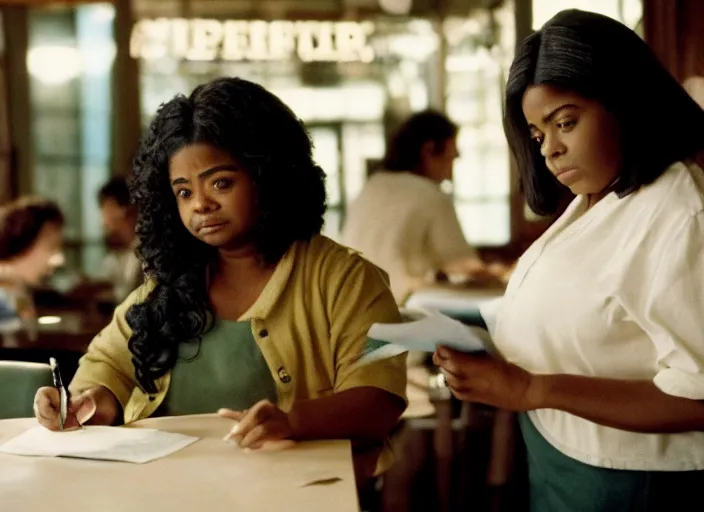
{"type": "Point", "coordinates": [263, 333]}
{"type": "Point", "coordinates": [283, 375]}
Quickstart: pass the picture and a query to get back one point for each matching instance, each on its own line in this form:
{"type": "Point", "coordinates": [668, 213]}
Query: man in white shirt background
{"type": "Point", "coordinates": [121, 266]}
{"type": "Point", "coordinates": [402, 220]}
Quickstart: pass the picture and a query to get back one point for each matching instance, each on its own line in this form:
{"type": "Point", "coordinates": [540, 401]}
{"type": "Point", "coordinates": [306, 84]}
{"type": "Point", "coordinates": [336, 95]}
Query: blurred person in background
{"type": "Point", "coordinates": [31, 248]}
{"type": "Point", "coordinates": [121, 267]}
{"type": "Point", "coordinates": [402, 221]}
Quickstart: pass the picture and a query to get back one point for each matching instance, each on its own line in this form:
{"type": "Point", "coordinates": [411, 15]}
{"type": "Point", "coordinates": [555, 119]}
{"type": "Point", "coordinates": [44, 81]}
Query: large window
{"type": "Point", "coordinates": [69, 59]}
{"type": "Point", "coordinates": [6, 177]}
{"type": "Point", "coordinates": [352, 106]}
{"type": "Point", "coordinates": [480, 49]}
{"type": "Point", "coordinates": [345, 151]}
{"type": "Point", "coordinates": [346, 105]}
{"type": "Point", "coordinates": [628, 12]}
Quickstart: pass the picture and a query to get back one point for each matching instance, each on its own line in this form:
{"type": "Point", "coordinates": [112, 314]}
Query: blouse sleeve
{"type": "Point", "coordinates": [667, 301]}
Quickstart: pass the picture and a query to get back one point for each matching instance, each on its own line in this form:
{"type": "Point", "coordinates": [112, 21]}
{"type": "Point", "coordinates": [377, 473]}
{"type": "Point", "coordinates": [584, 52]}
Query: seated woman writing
{"type": "Point", "coordinates": [248, 310]}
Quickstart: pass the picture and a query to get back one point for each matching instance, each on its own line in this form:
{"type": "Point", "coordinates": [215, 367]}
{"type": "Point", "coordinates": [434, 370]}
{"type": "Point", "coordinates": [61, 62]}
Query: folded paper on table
{"type": "Point", "coordinates": [137, 445]}
{"type": "Point", "coordinates": [423, 331]}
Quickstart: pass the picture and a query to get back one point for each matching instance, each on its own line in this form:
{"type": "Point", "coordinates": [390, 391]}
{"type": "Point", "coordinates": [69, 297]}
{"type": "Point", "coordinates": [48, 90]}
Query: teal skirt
{"type": "Point", "coordinates": [559, 483]}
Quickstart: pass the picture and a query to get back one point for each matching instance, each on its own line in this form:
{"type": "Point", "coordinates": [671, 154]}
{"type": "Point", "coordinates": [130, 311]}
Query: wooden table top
{"type": "Point", "coordinates": [207, 475]}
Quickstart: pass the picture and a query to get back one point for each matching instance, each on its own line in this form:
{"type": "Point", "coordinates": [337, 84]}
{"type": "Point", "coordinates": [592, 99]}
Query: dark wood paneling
{"type": "Point", "coordinates": [6, 181]}
{"type": "Point", "coordinates": [673, 29]}
{"type": "Point", "coordinates": [126, 103]}
{"type": "Point", "coordinates": [17, 83]}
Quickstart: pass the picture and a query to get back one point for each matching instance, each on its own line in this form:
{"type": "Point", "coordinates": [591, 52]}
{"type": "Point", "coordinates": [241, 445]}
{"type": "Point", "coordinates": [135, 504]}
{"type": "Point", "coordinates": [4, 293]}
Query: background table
{"type": "Point", "coordinates": [460, 303]}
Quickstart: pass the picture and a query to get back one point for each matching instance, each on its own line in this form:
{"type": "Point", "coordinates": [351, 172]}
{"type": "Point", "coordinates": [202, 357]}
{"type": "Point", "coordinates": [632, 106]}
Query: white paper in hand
{"type": "Point", "coordinates": [138, 445]}
{"type": "Point", "coordinates": [423, 331]}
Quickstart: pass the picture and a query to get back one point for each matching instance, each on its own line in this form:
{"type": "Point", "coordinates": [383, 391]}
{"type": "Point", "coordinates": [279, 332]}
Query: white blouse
{"type": "Point", "coordinates": [616, 291]}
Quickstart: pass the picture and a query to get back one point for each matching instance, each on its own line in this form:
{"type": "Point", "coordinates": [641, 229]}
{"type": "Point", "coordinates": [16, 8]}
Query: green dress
{"type": "Point", "coordinates": [559, 483]}
{"type": "Point", "coordinates": [226, 369]}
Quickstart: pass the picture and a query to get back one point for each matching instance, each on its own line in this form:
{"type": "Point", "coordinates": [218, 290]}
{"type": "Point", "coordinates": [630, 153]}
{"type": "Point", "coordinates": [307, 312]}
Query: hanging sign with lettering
{"type": "Point", "coordinates": [254, 40]}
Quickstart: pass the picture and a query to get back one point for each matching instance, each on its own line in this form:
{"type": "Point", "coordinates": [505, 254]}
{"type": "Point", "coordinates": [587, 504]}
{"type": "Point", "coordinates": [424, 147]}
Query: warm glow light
{"type": "Point", "coordinates": [49, 320]}
{"type": "Point", "coordinates": [103, 13]}
{"type": "Point", "coordinates": [626, 11]}
{"type": "Point", "coordinates": [54, 65]}
{"type": "Point", "coordinates": [57, 260]}
{"type": "Point", "coordinates": [396, 6]}
{"type": "Point", "coordinates": [417, 47]}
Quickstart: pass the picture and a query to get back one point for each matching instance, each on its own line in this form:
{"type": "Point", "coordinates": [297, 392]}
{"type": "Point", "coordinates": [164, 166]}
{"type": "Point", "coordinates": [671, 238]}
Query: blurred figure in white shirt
{"type": "Point", "coordinates": [402, 221]}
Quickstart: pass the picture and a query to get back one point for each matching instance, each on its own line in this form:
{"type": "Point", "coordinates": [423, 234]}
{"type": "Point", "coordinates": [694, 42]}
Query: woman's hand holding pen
{"type": "Point", "coordinates": [97, 406]}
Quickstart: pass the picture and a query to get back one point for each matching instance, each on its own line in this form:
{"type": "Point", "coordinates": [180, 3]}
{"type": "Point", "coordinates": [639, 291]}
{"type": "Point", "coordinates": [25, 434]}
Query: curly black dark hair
{"type": "Point", "coordinates": [22, 220]}
{"type": "Point", "coordinates": [274, 147]}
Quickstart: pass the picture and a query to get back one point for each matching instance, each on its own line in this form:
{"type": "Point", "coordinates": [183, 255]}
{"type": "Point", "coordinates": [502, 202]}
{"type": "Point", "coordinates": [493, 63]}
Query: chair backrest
{"type": "Point", "coordinates": [19, 382]}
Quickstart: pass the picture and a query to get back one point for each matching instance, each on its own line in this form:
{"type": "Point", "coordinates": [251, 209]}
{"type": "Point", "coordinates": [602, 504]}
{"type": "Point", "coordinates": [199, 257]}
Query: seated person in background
{"type": "Point", "coordinates": [247, 309]}
{"type": "Point", "coordinates": [121, 266]}
{"type": "Point", "coordinates": [31, 239]}
{"type": "Point", "coordinates": [402, 221]}
{"type": "Point", "coordinates": [121, 270]}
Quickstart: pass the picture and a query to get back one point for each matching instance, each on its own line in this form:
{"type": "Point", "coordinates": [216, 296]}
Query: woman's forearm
{"type": "Point", "coordinates": [364, 413]}
{"type": "Point", "coordinates": [638, 406]}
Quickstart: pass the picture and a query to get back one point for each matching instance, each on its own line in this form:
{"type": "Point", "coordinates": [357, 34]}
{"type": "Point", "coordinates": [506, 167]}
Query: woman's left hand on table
{"type": "Point", "coordinates": [259, 427]}
{"type": "Point", "coordinates": [486, 379]}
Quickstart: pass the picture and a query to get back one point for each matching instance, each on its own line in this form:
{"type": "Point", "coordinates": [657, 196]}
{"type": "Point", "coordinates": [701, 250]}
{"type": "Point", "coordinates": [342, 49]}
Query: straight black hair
{"type": "Point", "coordinates": [603, 60]}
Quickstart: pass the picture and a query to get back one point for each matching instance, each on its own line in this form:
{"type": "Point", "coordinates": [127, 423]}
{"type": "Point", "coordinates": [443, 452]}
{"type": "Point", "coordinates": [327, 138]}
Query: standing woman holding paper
{"type": "Point", "coordinates": [247, 310]}
{"type": "Point", "coordinates": [601, 329]}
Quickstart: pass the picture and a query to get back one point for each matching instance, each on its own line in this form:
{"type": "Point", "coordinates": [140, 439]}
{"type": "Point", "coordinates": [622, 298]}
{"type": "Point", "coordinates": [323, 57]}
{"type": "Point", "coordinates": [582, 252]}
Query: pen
{"type": "Point", "coordinates": [63, 394]}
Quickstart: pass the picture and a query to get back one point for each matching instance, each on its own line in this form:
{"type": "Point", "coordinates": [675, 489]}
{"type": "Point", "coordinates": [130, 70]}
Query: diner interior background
{"type": "Point", "coordinates": [79, 82]}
